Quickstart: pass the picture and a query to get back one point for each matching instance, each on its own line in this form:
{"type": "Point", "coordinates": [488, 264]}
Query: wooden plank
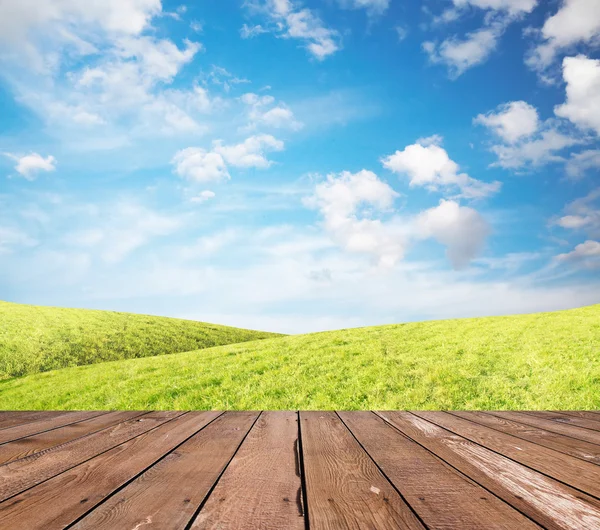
{"type": "Point", "coordinates": [11, 418]}
{"type": "Point", "coordinates": [261, 487]}
{"type": "Point", "coordinates": [572, 471]}
{"type": "Point", "coordinates": [559, 417]}
{"type": "Point", "coordinates": [547, 501]}
{"type": "Point", "coordinates": [22, 474]}
{"type": "Point", "coordinates": [48, 423]}
{"type": "Point", "coordinates": [344, 488]}
{"type": "Point", "coordinates": [441, 496]}
{"type": "Point", "coordinates": [589, 414]}
{"type": "Point", "coordinates": [577, 448]}
{"type": "Point", "coordinates": [45, 440]}
{"type": "Point", "coordinates": [64, 498]}
{"type": "Point", "coordinates": [552, 426]}
{"type": "Point", "coordinates": [168, 494]}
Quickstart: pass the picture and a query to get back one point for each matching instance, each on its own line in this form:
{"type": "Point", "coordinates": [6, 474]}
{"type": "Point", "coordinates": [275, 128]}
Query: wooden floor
{"type": "Point", "coordinates": [290, 470]}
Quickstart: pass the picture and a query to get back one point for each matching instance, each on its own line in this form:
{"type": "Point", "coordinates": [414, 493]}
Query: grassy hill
{"type": "Point", "coordinates": [538, 361]}
{"type": "Point", "coordinates": [36, 339]}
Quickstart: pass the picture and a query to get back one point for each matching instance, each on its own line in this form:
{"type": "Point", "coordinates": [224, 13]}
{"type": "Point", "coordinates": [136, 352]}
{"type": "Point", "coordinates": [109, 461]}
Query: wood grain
{"type": "Point", "coordinates": [577, 448]}
{"type": "Point", "coordinates": [344, 488]}
{"type": "Point", "coordinates": [12, 418]}
{"type": "Point", "coordinates": [45, 440]}
{"type": "Point", "coordinates": [168, 494]}
{"type": "Point", "coordinates": [22, 474]}
{"type": "Point", "coordinates": [261, 487]}
{"type": "Point", "coordinates": [64, 498]}
{"type": "Point", "coordinates": [567, 469]}
{"type": "Point", "coordinates": [27, 429]}
{"type": "Point", "coordinates": [441, 496]}
{"type": "Point", "coordinates": [560, 417]}
{"type": "Point", "coordinates": [547, 501]}
{"type": "Point", "coordinates": [552, 426]}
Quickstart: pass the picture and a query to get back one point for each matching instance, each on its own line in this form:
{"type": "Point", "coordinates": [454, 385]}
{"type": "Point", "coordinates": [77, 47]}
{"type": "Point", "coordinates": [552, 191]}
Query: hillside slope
{"type": "Point", "coordinates": [538, 361]}
{"type": "Point", "coordinates": [36, 339]}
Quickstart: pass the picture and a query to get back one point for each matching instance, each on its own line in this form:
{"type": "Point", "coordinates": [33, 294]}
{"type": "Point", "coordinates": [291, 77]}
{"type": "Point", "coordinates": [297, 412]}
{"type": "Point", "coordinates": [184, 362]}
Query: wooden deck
{"type": "Point", "coordinates": [290, 470]}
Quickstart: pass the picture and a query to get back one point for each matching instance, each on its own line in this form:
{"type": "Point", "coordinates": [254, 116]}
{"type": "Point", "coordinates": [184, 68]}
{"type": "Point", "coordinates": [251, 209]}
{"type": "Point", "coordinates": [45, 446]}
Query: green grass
{"type": "Point", "coordinates": [36, 339]}
{"type": "Point", "coordinates": [539, 361]}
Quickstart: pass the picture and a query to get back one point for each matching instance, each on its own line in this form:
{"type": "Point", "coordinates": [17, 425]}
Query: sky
{"type": "Point", "coordinates": [299, 166]}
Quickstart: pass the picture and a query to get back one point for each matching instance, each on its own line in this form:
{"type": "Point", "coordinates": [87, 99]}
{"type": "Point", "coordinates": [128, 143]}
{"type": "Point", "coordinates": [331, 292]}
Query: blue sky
{"type": "Point", "coordinates": [299, 166]}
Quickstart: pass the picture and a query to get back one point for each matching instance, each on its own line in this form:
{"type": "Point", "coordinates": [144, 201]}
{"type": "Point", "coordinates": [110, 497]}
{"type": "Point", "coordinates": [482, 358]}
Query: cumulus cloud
{"type": "Point", "coordinates": [460, 229]}
{"type": "Point", "coordinates": [511, 121]}
{"type": "Point", "coordinates": [203, 196]}
{"type": "Point", "coordinates": [582, 107]}
{"type": "Point", "coordinates": [251, 152]}
{"type": "Point", "coordinates": [199, 165]}
{"type": "Point", "coordinates": [580, 163]}
{"type": "Point", "coordinates": [28, 166]}
{"type": "Point", "coordinates": [263, 111]}
{"type": "Point", "coordinates": [427, 164]}
{"type": "Point", "coordinates": [586, 254]}
{"type": "Point", "coordinates": [513, 7]}
{"type": "Point", "coordinates": [575, 22]}
{"type": "Point", "coordinates": [287, 20]}
{"type": "Point", "coordinates": [527, 142]}
{"type": "Point", "coordinates": [349, 204]}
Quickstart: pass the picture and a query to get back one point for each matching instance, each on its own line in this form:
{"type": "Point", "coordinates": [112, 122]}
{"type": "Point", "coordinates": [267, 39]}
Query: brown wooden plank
{"type": "Point", "coordinates": [559, 417]}
{"type": "Point", "coordinates": [547, 501]}
{"type": "Point", "coordinates": [261, 487]}
{"type": "Point", "coordinates": [168, 494]}
{"type": "Point", "coordinates": [589, 414]}
{"type": "Point", "coordinates": [22, 474]}
{"type": "Point", "coordinates": [17, 417]}
{"type": "Point", "coordinates": [570, 446]}
{"type": "Point", "coordinates": [441, 496]}
{"type": "Point", "coordinates": [344, 488]}
{"type": "Point", "coordinates": [64, 498]}
{"type": "Point", "coordinates": [572, 471]}
{"type": "Point", "coordinates": [48, 423]}
{"type": "Point", "coordinates": [45, 440]}
{"type": "Point", "coordinates": [548, 425]}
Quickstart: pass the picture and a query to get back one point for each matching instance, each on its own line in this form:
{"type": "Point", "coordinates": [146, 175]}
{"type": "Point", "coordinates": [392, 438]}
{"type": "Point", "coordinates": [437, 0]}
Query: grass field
{"type": "Point", "coordinates": [36, 339]}
{"type": "Point", "coordinates": [538, 361]}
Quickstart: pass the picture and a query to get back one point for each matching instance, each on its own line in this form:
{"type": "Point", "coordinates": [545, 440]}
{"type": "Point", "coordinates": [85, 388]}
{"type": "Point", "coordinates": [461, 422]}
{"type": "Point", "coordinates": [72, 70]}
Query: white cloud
{"type": "Point", "coordinates": [527, 141]}
{"type": "Point", "coordinates": [461, 229]}
{"type": "Point", "coordinates": [575, 22]}
{"type": "Point", "coordinates": [203, 196]}
{"type": "Point", "coordinates": [53, 25]}
{"type": "Point", "coordinates": [586, 254]}
{"type": "Point", "coordinates": [247, 32]}
{"type": "Point", "coordinates": [339, 200]}
{"type": "Point", "coordinates": [251, 152]}
{"type": "Point", "coordinates": [264, 112]}
{"type": "Point", "coordinates": [402, 32]}
{"type": "Point", "coordinates": [372, 7]}
{"type": "Point", "coordinates": [579, 163]}
{"type": "Point", "coordinates": [289, 21]}
{"type": "Point", "coordinates": [583, 215]}
{"type": "Point", "coordinates": [582, 107]}
{"type": "Point", "coordinates": [536, 152]}
{"type": "Point", "coordinates": [427, 164]}
{"type": "Point", "coordinates": [511, 121]}
{"type": "Point", "coordinates": [198, 165]}
{"type": "Point", "coordinates": [513, 7]}
{"type": "Point", "coordinates": [29, 166]}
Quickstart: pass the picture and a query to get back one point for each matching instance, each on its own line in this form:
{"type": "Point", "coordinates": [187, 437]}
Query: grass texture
{"type": "Point", "coordinates": [36, 339]}
{"type": "Point", "coordinates": [537, 361]}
